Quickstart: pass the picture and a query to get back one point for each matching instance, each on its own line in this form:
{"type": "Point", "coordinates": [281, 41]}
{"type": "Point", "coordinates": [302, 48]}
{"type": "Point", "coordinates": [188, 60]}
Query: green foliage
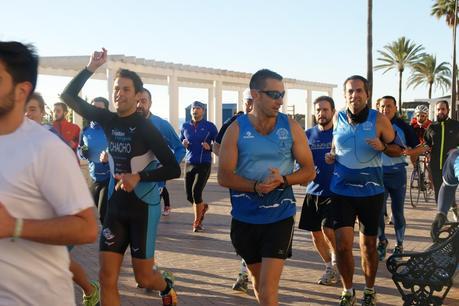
{"type": "Point", "coordinates": [444, 8]}
{"type": "Point", "coordinates": [427, 72]}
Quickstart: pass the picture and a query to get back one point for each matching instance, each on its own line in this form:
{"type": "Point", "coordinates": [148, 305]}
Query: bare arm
{"type": "Point", "coordinates": [227, 163]}
{"type": "Point", "coordinates": [385, 134]}
{"type": "Point", "coordinates": [80, 228]}
{"type": "Point", "coordinates": [302, 154]}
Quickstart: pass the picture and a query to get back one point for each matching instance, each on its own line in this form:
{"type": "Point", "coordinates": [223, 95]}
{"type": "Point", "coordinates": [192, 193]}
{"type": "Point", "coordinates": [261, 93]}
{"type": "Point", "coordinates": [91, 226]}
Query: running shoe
{"type": "Point", "coordinates": [166, 211]}
{"type": "Point", "coordinates": [204, 210]}
{"type": "Point", "coordinates": [197, 227]}
{"type": "Point", "coordinates": [94, 298]}
{"type": "Point", "coordinates": [330, 277]}
{"type": "Point", "coordinates": [169, 299]}
{"type": "Point", "coordinates": [398, 249]}
{"type": "Point", "coordinates": [382, 249]}
{"type": "Point", "coordinates": [242, 283]}
{"type": "Point", "coordinates": [347, 299]}
{"type": "Point", "coordinates": [455, 212]}
{"type": "Point", "coordinates": [369, 298]}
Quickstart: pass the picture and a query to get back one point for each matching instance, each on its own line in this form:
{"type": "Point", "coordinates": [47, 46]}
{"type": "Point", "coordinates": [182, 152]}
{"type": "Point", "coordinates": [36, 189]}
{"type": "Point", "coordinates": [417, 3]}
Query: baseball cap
{"type": "Point", "coordinates": [198, 104]}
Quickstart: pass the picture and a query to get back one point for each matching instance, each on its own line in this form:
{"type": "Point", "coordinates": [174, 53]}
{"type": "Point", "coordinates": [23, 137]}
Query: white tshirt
{"type": "Point", "coordinates": [39, 179]}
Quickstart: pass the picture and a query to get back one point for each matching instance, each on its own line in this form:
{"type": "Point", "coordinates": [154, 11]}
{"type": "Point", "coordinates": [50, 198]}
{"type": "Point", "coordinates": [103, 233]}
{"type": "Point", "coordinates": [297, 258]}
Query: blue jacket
{"type": "Point", "coordinates": [196, 134]}
{"type": "Point", "coordinates": [93, 138]}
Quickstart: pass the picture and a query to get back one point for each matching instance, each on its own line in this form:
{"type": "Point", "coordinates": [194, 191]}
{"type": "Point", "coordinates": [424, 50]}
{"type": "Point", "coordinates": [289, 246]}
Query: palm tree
{"type": "Point", "coordinates": [399, 55]}
{"type": "Point", "coordinates": [448, 9]}
{"type": "Point", "coordinates": [370, 50]}
{"type": "Point", "coordinates": [427, 72]}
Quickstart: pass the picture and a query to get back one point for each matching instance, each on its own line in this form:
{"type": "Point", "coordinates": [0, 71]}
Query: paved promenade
{"type": "Point", "coordinates": [205, 264]}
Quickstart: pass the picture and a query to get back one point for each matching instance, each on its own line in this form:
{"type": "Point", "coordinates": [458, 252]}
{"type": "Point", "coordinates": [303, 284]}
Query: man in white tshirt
{"type": "Point", "coordinates": [44, 201]}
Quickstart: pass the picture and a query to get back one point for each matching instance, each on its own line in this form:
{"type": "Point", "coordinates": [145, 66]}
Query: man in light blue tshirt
{"type": "Point", "coordinates": [256, 163]}
{"type": "Point", "coordinates": [168, 132]}
{"type": "Point", "coordinates": [360, 136]}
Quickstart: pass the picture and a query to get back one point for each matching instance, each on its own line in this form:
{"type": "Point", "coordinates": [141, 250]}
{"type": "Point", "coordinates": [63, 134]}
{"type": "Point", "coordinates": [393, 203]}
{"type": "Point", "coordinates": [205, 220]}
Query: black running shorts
{"type": "Point", "coordinates": [256, 241]}
{"type": "Point", "coordinates": [367, 209]}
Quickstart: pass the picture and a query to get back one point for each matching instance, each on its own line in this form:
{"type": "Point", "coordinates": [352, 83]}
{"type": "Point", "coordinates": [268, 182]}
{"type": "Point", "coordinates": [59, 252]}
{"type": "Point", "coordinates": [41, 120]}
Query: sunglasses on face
{"type": "Point", "coordinates": [273, 94]}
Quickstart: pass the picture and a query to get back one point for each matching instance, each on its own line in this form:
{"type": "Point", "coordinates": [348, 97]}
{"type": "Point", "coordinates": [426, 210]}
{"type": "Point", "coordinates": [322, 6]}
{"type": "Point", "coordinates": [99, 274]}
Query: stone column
{"type": "Point", "coordinates": [210, 104]}
{"type": "Point", "coordinates": [218, 91]}
{"type": "Point", "coordinates": [284, 106]}
{"type": "Point", "coordinates": [309, 108]}
{"type": "Point", "coordinates": [173, 102]}
{"type": "Point", "coordinates": [240, 101]}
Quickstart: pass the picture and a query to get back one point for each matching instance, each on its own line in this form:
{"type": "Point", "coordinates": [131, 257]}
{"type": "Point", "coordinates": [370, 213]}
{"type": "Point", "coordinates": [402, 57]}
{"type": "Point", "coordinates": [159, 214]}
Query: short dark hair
{"type": "Point", "coordinates": [101, 99]}
{"type": "Point", "coordinates": [147, 91]}
{"type": "Point", "coordinates": [21, 62]}
{"type": "Point", "coordinates": [389, 98]}
{"type": "Point", "coordinates": [39, 98]}
{"type": "Point", "coordinates": [355, 77]}
{"type": "Point", "coordinates": [258, 80]}
{"type": "Point", "coordinates": [325, 98]}
{"type": "Point", "coordinates": [64, 106]}
{"type": "Point", "coordinates": [134, 77]}
{"type": "Point", "coordinates": [442, 101]}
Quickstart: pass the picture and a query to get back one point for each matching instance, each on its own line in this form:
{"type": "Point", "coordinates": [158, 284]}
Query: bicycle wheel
{"type": "Point", "coordinates": [414, 188]}
{"type": "Point", "coordinates": [427, 189]}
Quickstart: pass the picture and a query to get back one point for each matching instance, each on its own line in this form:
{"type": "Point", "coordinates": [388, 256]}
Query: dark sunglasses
{"type": "Point", "coordinates": [273, 94]}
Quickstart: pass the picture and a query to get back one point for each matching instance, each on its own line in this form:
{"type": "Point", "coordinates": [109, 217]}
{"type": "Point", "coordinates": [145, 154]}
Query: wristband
{"type": "Point", "coordinates": [255, 187]}
{"type": "Point", "coordinates": [284, 183]}
{"type": "Point", "coordinates": [17, 229]}
{"type": "Point", "coordinates": [385, 147]}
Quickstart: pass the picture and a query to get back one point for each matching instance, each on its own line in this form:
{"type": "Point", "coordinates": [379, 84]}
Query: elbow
{"type": "Point", "coordinates": [91, 236]}
{"type": "Point", "coordinates": [221, 180]}
{"type": "Point", "coordinates": [176, 171]}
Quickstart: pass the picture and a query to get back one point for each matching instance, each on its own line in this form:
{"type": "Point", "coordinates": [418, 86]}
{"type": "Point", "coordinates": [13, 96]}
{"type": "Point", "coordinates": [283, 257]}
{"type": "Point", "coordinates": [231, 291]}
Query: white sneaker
{"type": "Point", "coordinates": [166, 211]}
{"type": "Point", "coordinates": [330, 277]}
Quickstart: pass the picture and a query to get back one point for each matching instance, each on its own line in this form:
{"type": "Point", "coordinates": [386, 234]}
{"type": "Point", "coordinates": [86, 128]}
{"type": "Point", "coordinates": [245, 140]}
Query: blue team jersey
{"type": "Point", "coordinates": [320, 143]}
{"type": "Point", "coordinates": [93, 137]}
{"type": "Point", "coordinates": [171, 138]}
{"type": "Point", "coordinates": [196, 134]}
{"type": "Point", "coordinates": [358, 167]}
{"type": "Point", "coordinates": [256, 154]}
{"type": "Point", "coordinates": [406, 137]}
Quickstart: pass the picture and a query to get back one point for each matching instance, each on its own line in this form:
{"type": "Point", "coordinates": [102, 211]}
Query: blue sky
{"type": "Point", "coordinates": [322, 41]}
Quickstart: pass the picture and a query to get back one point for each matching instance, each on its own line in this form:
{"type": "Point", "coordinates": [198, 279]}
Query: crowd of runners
{"type": "Point", "coordinates": [351, 162]}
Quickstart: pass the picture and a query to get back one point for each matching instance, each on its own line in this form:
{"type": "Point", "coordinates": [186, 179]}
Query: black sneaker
{"type": "Point", "coordinates": [347, 299]}
{"type": "Point", "coordinates": [369, 298]}
{"type": "Point", "coordinates": [382, 249]}
{"type": "Point", "coordinates": [242, 283]}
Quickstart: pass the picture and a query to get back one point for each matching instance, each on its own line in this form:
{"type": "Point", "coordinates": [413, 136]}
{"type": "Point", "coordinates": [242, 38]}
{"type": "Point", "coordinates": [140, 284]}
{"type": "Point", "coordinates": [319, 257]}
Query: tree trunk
{"type": "Point", "coordinates": [370, 51]}
{"type": "Point", "coordinates": [430, 91]}
{"type": "Point", "coordinates": [453, 81]}
{"type": "Point", "coordinates": [400, 74]}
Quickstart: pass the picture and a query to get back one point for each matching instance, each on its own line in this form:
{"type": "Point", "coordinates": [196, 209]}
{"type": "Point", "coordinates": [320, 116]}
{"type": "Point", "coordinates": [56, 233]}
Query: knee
{"type": "Point", "coordinates": [343, 247]}
{"type": "Point", "coordinates": [368, 245]}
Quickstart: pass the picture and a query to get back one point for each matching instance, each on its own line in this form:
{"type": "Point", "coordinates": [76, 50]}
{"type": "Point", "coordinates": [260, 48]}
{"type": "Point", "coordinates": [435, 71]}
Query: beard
{"type": "Point", "coordinates": [441, 117]}
{"type": "Point", "coordinates": [324, 122]}
{"type": "Point", "coordinates": [7, 105]}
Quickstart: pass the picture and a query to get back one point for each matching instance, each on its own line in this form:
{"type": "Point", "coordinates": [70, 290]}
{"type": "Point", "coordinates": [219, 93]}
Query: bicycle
{"type": "Point", "coordinates": [420, 181]}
